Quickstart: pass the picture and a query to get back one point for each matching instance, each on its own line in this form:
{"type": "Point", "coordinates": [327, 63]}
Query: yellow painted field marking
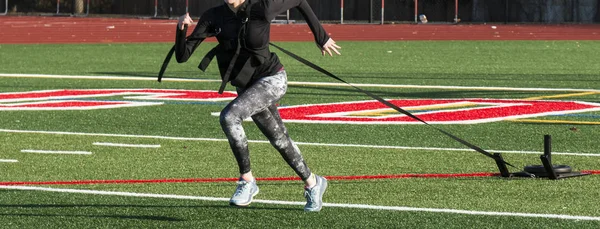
{"type": "Point", "coordinates": [562, 95]}
{"type": "Point", "coordinates": [557, 121]}
{"type": "Point", "coordinates": [386, 111]}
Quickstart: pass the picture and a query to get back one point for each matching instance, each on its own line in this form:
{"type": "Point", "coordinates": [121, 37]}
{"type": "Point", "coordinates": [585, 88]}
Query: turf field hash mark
{"type": "Point", "coordinates": [55, 152]}
{"type": "Point", "coordinates": [125, 145]}
{"type": "Point", "coordinates": [8, 161]}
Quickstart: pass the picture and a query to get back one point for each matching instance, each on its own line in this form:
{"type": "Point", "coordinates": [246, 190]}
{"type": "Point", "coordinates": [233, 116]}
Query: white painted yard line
{"type": "Point", "coordinates": [278, 202]}
{"type": "Point", "coordinates": [443, 87]}
{"type": "Point", "coordinates": [125, 145]}
{"type": "Point", "coordinates": [300, 83]}
{"type": "Point", "coordinates": [104, 77]}
{"type": "Point", "coordinates": [55, 152]}
{"type": "Point", "coordinates": [8, 161]}
{"type": "Point", "coordinates": [298, 143]}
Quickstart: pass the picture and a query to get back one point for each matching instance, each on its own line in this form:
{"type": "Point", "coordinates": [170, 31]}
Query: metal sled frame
{"type": "Point", "coordinates": [546, 159]}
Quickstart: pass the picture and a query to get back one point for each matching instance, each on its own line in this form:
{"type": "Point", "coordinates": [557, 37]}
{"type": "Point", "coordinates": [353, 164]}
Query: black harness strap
{"type": "Point", "coordinates": [246, 71]}
{"type": "Point", "coordinates": [208, 58]}
{"type": "Point", "coordinates": [221, 47]}
{"type": "Point", "coordinates": [241, 33]}
{"type": "Point", "coordinates": [316, 67]}
{"type": "Point", "coordinates": [165, 64]}
{"type": "Point", "coordinates": [233, 59]}
{"type": "Point", "coordinates": [212, 52]}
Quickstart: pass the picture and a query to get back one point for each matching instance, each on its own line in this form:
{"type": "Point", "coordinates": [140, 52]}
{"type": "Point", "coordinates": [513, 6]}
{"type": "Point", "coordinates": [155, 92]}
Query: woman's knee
{"type": "Point", "coordinates": [228, 118]}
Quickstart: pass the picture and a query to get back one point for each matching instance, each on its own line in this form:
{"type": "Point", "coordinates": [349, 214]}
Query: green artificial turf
{"type": "Point", "coordinates": [193, 145]}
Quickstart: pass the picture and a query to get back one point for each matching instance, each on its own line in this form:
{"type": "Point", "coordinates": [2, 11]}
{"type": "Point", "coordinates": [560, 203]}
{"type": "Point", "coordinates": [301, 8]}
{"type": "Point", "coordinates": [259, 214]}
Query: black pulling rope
{"type": "Point", "coordinates": [316, 67]}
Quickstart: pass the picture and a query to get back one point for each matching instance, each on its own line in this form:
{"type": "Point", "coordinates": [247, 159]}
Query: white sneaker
{"type": "Point", "coordinates": [245, 191]}
{"type": "Point", "coordinates": [314, 195]}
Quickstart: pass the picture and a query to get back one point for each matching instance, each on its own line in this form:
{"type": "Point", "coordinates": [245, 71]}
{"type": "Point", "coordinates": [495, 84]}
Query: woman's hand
{"type": "Point", "coordinates": [184, 20]}
{"type": "Point", "coordinates": [330, 46]}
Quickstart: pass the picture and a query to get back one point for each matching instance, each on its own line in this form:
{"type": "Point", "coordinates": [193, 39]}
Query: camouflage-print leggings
{"type": "Point", "coordinates": [258, 101]}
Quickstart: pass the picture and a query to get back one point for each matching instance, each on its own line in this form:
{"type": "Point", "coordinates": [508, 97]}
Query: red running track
{"type": "Point", "coordinates": [30, 29]}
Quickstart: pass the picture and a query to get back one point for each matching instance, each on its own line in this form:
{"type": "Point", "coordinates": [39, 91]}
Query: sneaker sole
{"type": "Point", "coordinates": [247, 203]}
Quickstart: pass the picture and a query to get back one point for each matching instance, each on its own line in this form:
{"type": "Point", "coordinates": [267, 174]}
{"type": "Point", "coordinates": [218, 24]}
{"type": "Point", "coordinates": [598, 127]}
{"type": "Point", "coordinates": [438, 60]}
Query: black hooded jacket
{"type": "Point", "coordinates": [255, 59]}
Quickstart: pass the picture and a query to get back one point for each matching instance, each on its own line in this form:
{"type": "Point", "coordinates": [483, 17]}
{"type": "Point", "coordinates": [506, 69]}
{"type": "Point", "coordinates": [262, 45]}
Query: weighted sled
{"type": "Point", "coordinates": [539, 170]}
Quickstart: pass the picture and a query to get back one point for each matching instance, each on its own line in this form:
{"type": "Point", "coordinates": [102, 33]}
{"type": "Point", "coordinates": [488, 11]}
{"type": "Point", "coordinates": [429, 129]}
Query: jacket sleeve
{"type": "Point", "coordinates": [184, 47]}
{"type": "Point", "coordinates": [276, 7]}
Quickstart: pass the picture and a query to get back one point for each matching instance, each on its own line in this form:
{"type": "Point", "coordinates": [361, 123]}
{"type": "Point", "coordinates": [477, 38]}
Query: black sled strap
{"type": "Point", "coordinates": [316, 67]}
{"type": "Point", "coordinates": [166, 63]}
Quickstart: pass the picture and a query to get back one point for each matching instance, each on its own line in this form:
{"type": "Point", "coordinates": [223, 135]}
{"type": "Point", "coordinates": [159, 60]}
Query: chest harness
{"type": "Point", "coordinates": [245, 73]}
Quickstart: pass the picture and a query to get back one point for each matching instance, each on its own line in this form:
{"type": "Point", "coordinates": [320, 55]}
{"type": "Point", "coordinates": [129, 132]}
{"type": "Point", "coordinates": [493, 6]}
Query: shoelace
{"type": "Point", "coordinates": [242, 186]}
{"type": "Point", "coordinates": [308, 196]}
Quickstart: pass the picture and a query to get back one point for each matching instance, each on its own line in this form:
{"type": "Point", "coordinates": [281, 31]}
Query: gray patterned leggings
{"type": "Point", "coordinates": [258, 101]}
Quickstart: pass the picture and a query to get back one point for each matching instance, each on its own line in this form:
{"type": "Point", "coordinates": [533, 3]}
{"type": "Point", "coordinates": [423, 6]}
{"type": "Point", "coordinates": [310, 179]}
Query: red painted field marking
{"type": "Point", "coordinates": [464, 111]}
{"type": "Point", "coordinates": [232, 179]}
